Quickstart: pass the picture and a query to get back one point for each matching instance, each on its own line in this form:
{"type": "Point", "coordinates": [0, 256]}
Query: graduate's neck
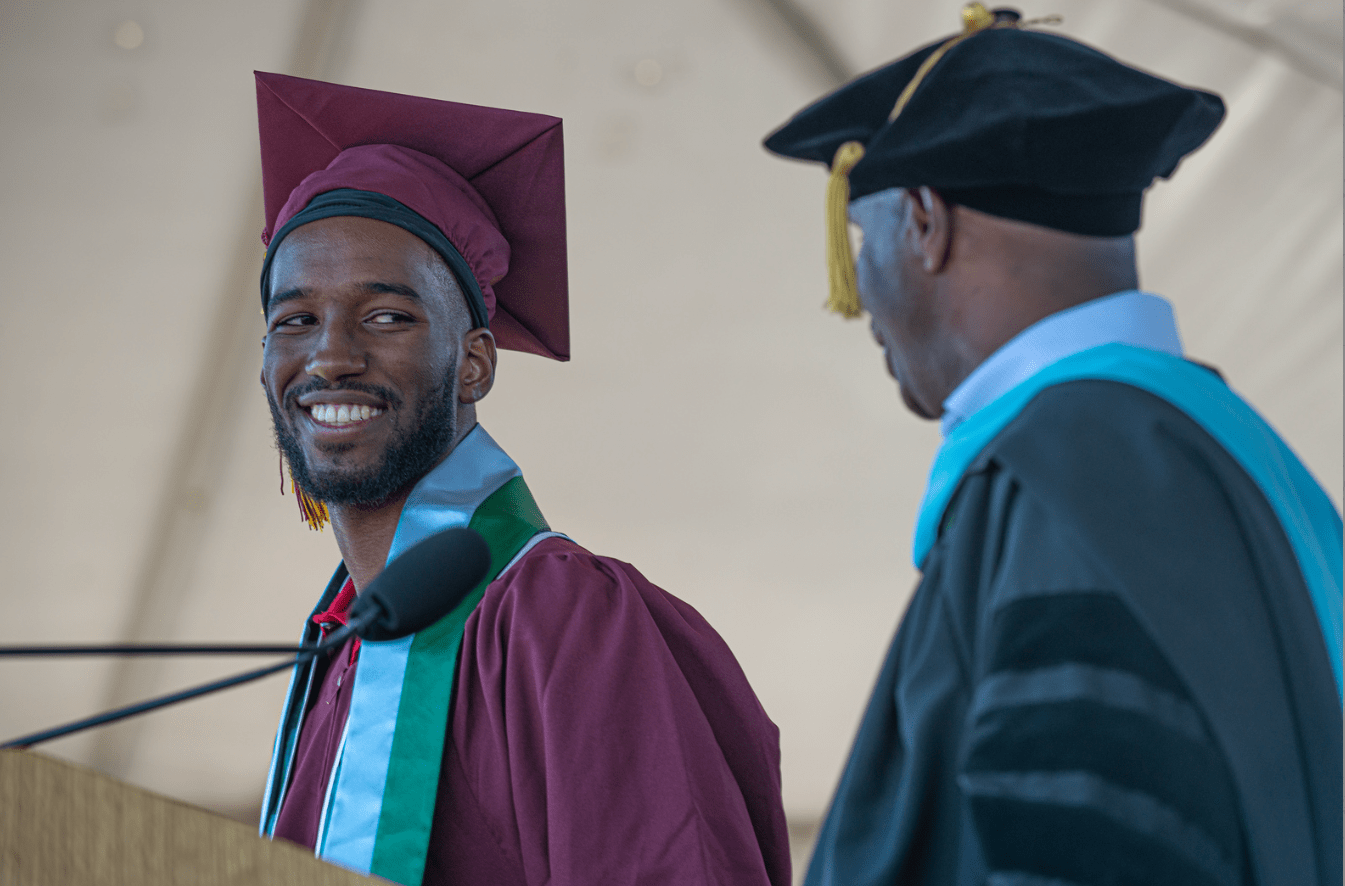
{"type": "Point", "coordinates": [364, 533]}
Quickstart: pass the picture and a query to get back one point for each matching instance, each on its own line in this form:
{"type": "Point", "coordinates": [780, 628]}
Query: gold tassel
{"type": "Point", "coordinates": [975, 18]}
{"type": "Point", "coordinates": [844, 298]}
{"type": "Point", "coordinates": [314, 512]}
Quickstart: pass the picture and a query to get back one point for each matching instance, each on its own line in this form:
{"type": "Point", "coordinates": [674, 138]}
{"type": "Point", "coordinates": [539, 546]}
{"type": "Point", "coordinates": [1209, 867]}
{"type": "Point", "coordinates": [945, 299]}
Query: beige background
{"type": "Point", "coordinates": [715, 427]}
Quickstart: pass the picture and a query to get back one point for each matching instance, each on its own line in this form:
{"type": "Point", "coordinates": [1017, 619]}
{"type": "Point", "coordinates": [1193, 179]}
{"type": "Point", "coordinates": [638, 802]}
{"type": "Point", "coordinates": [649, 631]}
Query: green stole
{"type": "Point", "coordinates": [379, 807]}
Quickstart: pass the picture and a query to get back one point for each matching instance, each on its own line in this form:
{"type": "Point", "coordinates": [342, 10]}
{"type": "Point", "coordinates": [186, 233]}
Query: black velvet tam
{"type": "Point", "coordinates": [1014, 122]}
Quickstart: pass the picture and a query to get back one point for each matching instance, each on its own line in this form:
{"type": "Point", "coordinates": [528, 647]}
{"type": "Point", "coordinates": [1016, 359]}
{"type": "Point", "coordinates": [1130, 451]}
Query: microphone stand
{"type": "Point", "coordinates": [156, 649]}
{"type": "Point", "coordinates": [304, 654]}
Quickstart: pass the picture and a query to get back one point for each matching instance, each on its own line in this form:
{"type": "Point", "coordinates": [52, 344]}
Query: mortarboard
{"type": "Point", "coordinates": [1009, 121]}
{"type": "Point", "coordinates": [485, 187]}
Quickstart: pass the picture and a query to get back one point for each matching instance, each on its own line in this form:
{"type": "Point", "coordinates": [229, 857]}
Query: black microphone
{"type": "Point", "coordinates": [397, 603]}
{"type": "Point", "coordinates": [415, 590]}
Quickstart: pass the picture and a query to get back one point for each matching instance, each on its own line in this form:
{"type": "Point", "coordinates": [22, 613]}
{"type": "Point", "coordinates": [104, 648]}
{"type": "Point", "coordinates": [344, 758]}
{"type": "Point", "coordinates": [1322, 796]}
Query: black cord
{"type": "Point", "coordinates": [337, 637]}
{"type": "Point", "coordinates": [155, 649]}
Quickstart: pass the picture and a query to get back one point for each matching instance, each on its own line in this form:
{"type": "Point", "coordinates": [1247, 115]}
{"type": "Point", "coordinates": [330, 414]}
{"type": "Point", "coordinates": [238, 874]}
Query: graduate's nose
{"type": "Point", "coordinates": [336, 355]}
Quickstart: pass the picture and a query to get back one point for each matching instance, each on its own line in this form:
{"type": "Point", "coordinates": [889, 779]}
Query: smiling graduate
{"type": "Point", "coordinates": [569, 722]}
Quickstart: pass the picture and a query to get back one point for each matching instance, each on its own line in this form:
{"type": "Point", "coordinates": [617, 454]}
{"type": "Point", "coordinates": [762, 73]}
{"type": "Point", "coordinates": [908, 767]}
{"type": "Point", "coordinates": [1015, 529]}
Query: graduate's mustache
{"type": "Point", "coordinates": [417, 447]}
{"type": "Point", "coordinates": [314, 385]}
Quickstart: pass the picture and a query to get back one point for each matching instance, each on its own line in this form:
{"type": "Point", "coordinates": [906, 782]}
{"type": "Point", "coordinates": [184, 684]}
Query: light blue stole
{"type": "Point", "coordinates": [1310, 520]}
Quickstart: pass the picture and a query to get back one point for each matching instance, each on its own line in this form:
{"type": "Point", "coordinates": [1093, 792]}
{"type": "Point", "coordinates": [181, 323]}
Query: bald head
{"type": "Point", "coordinates": [946, 286]}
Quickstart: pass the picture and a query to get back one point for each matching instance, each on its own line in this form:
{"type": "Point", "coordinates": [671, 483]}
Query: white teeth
{"type": "Point", "coordinates": [342, 414]}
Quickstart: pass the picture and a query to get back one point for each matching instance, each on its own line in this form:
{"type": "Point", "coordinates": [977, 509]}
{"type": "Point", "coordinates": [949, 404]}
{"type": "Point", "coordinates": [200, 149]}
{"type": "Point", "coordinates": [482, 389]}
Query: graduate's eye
{"type": "Point", "coordinates": [389, 318]}
{"type": "Point", "coordinates": [294, 321]}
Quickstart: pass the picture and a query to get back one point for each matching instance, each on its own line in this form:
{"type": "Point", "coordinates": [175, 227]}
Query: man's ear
{"type": "Point", "coordinates": [931, 228]}
{"type": "Point", "coordinates": [476, 366]}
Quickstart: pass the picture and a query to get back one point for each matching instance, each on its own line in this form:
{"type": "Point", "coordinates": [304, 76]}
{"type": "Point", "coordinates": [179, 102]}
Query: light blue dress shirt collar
{"type": "Point", "coordinates": [1131, 317]}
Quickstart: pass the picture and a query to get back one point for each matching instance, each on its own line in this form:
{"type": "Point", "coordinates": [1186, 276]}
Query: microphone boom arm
{"type": "Point", "coordinates": [411, 593]}
{"type": "Point", "coordinates": [156, 649]}
{"type": "Point", "coordinates": [337, 637]}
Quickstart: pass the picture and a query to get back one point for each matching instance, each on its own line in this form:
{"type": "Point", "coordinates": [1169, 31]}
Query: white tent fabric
{"type": "Point", "coordinates": [716, 427]}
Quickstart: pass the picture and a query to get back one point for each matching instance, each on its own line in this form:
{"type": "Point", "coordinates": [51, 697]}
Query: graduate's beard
{"type": "Point", "coordinates": [410, 456]}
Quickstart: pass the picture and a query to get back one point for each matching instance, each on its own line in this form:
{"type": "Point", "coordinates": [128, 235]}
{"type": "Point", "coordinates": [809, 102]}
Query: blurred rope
{"type": "Point", "coordinates": [821, 50]}
{"type": "Point", "coordinates": [1288, 37]}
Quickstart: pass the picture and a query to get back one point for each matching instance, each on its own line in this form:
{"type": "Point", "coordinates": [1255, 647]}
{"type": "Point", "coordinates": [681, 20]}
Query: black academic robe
{"type": "Point", "coordinates": [1111, 672]}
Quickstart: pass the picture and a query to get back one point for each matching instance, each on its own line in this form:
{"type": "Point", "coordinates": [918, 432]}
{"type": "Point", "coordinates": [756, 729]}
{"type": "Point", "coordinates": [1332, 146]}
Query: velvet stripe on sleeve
{"type": "Point", "coordinates": [1087, 761]}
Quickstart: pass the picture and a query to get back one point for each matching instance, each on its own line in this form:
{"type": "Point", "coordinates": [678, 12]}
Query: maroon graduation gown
{"type": "Point", "coordinates": [602, 732]}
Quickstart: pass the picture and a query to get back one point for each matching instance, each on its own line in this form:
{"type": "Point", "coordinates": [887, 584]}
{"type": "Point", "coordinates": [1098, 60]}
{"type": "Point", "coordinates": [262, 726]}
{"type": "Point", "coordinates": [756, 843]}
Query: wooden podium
{"type": "Point", "coordinates": [63, 825]}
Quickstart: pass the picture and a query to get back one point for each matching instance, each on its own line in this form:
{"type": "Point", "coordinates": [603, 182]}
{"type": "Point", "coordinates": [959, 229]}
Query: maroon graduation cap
{"type": "Point", "coordinates": [491, 180]}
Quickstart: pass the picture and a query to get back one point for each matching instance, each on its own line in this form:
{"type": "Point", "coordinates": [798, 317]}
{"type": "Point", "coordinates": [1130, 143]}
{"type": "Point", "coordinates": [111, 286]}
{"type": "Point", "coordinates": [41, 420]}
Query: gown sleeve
{"type": "Point", "coordinates": [605, 734]}
{"type": "Point", "coordinates": [1087, 760]}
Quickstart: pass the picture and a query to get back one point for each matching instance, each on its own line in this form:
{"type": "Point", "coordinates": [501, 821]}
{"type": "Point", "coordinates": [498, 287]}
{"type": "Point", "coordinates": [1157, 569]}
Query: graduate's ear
{"type": "Point", "coordinates": [930, 227]}
{"type": "Point", "coordinates": [476, 366]}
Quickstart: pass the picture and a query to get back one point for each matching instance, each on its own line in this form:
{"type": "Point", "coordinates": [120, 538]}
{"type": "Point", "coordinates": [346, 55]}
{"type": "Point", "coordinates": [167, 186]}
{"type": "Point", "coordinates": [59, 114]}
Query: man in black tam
{"type": "Point", "coordinates": [1122, 664]}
